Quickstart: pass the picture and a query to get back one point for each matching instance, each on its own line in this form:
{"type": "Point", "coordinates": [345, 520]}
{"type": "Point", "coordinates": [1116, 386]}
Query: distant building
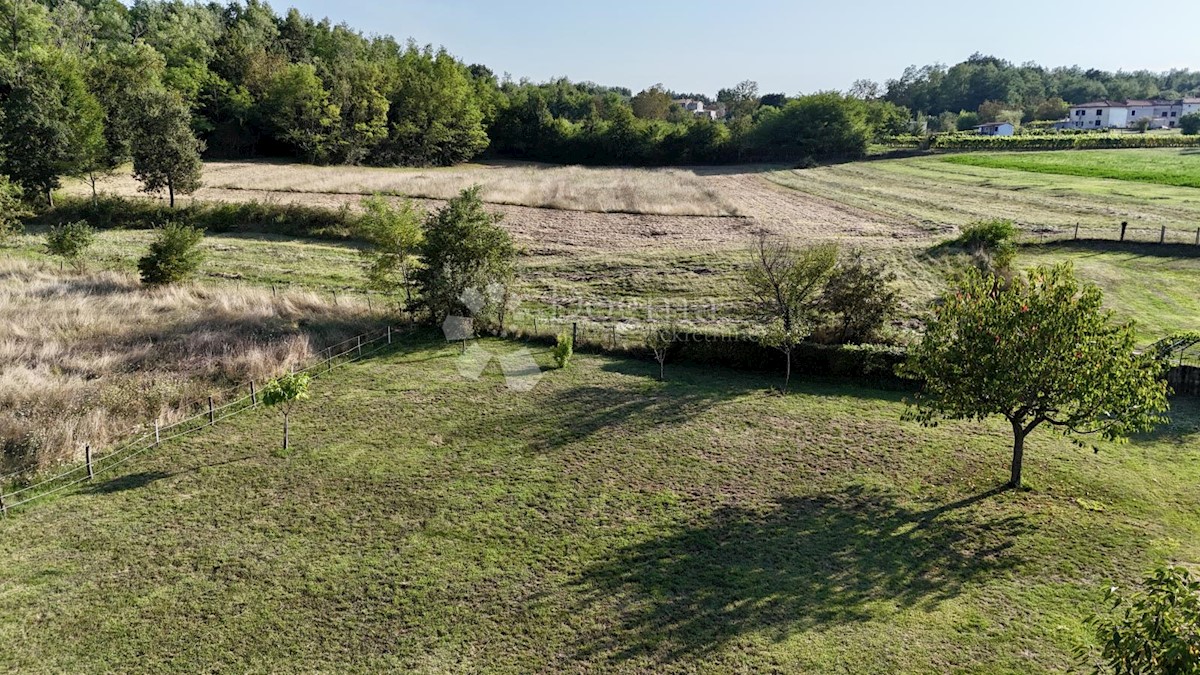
{"type": "Point", "coordinates": [996, 129]}
{"type": "Point", "coordinates": [714, 112]}
{"type": "Point", "coordinates": [1162, 114]}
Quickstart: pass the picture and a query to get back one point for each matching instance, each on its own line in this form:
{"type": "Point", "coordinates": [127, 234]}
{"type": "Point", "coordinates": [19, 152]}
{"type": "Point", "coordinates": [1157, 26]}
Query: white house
{"type": "Point", "coordinates": [698, 108]}
{"type": "Point", "coordinates": [996, 129]}
{"type": "Point", "coordinates": [1124, 114]}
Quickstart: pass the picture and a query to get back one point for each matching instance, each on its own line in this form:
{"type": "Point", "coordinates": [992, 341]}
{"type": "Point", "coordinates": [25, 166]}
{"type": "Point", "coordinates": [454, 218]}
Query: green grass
{"type": "Point", "coordinates": [940, 195]}
{"type": "Point", "coordinates": [604, 521]}
{"type": "Point", "coordinates": [1161, 292]}
{"type": "Point", "coordinates": [1178, 167]}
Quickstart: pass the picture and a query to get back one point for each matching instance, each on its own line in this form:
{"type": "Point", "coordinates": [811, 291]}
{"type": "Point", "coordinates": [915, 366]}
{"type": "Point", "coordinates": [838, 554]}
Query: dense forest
{"type": "Point", "coordinates": [87, 86]}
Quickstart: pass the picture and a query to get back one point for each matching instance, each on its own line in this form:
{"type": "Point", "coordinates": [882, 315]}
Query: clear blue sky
{"type": "Point", "coordinates": [786, 46]}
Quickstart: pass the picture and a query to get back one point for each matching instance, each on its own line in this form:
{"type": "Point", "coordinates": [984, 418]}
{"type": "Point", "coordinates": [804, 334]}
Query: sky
{"type": "Point", "coordinates": [787, 47]}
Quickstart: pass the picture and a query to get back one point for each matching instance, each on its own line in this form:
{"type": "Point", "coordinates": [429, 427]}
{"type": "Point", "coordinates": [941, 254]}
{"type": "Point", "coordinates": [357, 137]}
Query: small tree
{"type": "Point", "coordinates": [659, 340]}
{"type": "Point", "coordinates": [166, 154]}
{"type": "Point", "coordinates": [285, 392]}
{"type": "Point", "coordinates": [1190, 124]}
{"type": "Point", "coordinates": [1153, 632]}
{"type": "Point", "coordinates": [174, 255]}
{"type": "Point", "coordinates": [784, 284]}
{"type": "Point", "coordinates": [859, 299]}
{"type": "Point", "coordinates": [70, 241]}
{"type": "Point", "coordinates": [13, 209]}
{"type": "Point", "coordinates": [466, 255]}
{"type": "Point", "coordinates": [1142, 124]}
{"type": "Point", "coordinates": [394, 236]}
{"type": "Point", "coordinates": [1039, 350]}
{"type": "Point", "coordinates": [564, 348]}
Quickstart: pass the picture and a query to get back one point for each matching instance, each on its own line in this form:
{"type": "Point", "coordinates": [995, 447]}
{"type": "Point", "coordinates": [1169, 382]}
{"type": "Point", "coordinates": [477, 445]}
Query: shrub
{"type": "Point", "coordinates": [564, 348]}
{"type": "Point", "coordinates": [70, 241]}
{"type": "Point", "coordinates": [858, 300]}
{"type": "Point", "coordinates": [991, 243]}
{"type": "Point", "coordinates": [174, 255]}
{"type": "Point", "coordinates": [1190, 124]}
{"type": "Point", "coordinates": [1153, 631]}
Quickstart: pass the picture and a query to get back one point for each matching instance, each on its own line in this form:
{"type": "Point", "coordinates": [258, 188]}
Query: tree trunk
{"type": "Point", "coordinates": [787, 378]}
{"type": "Point", "coordinates": [285, 431]}
{"type": "Point", "coordinates": [171, 193]}
{"type": "Point", "coordinates": [1018, 454]}
{"type": "Point", "coordinates": [661, 366]}
{"type": "Point", "coordinates": [50, 197]}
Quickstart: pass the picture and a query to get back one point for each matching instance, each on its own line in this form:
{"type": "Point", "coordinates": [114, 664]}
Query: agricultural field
{"type": "Point", "coordinates": [603, 521]}
{"type": "Point", "coordinates": [944, 191]}
{"type": "Point", "coordinates": [1180, 168]}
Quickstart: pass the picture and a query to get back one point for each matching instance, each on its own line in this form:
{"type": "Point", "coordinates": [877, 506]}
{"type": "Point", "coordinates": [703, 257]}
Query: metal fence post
{"type": "Point", "coordinates": [87, 457]}
{"type": "Point", "coordinates": [359, 346]}
{"type": "Point", "coordinates": [389, 334]}
{"type": "Point", "coordinates": [157, 439]}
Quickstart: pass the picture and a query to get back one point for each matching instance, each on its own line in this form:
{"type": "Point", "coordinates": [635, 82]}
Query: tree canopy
{"type": "Point", "coordinates": [1037, 350]}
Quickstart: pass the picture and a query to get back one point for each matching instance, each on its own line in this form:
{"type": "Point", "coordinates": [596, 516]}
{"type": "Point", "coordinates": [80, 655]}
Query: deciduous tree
{"type": "Point", "coordinates": [166, 154]}
{"type": "Point", "coordinates": [394, 236]}
{"type": "Point", "coordinates": [285, 392]}
{"type": "Point", "coordinates": [1039, 350]}
{"type": "Point", "coordinates": [784, 283]}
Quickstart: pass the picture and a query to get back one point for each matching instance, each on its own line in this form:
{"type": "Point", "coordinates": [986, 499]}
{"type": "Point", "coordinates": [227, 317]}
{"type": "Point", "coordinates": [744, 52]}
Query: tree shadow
{"type": "Point", "coordinates": [131, 481]}
{"type": "Point", "coordinates": [1141, 249]}
{"type": "Point", "coordinates": [807, 563]}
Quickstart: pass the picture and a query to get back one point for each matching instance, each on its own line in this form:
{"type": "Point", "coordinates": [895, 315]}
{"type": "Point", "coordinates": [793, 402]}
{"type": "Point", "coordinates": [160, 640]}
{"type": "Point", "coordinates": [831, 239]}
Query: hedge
{"type": "Point", "coordinates": [286, 219]}
{"type": "Point", "coordinates": [1064, 142]}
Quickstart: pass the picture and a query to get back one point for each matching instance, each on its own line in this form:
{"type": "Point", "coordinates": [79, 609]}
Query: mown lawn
{"type": "Point", "coordinates": [603, 521]}
{"type": "Point", "coordinates": [1178, 167]}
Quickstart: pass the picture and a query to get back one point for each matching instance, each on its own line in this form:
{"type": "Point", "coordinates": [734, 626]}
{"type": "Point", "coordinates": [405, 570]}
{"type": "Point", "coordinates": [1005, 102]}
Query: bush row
{"type": "Point", "coordinates": [286, 219]}
{"type": "Point", "coordinates": [1063, 142]}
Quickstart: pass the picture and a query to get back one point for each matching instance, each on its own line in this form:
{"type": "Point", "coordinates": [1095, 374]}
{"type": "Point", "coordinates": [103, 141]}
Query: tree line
{"type": "Point", "coordinates": [87, 86]}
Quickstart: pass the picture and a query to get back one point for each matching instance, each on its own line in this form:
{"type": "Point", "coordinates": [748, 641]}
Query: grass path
{"type": "Point", "coordinates": [604, 521]}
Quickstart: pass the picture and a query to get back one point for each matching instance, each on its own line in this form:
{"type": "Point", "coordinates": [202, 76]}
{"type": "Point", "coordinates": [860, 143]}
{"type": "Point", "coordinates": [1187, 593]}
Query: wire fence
{"type": "Point", "coordinates": [1119, 232]}
{"type": "Point", "coordinates": [148, 437]}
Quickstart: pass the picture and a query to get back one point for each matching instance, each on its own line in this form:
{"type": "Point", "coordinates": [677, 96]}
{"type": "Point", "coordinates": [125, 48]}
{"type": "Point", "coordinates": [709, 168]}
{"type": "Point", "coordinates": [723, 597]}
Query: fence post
{"type": "Point", "coordinates": [1198, 236]}
{"type": "Point", "coordinates": [253, 395]}
{"type": "Point", "coordinates": [1123, 226]}
{"type": "Point", "coordinates": [211, 418]}
{"type": "Point", "coordinates": [1077, 230]}
{"type": "Point", "coordinates": [329, 361]}
{"type": "Point", "coordinates": [359, 346]}
{"type": "Point", "coordinates": [1162, 236]}
{"type": "Point", "coordinates": [87, 457]}
{"type": "Point", "coordinates": [3, 508]}
{"type": "Point", "coordinates": [156, 436]}
{"type": "Point", "coordinates": [389, 333]}
{"type": "Point", "coordinates": [574, 333]}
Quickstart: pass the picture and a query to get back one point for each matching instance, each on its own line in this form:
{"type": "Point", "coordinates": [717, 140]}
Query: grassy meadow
{"type": "Point", "coordinates": [86, 358]}
{"type": "Point", "coordinates": [946, 191]}
{"type": "Point", "coordinates": [603, 521]}
{"type": "Point", "coordinates": [672, 192]}
{"type": "Point", "coordinates": [1178, 167]}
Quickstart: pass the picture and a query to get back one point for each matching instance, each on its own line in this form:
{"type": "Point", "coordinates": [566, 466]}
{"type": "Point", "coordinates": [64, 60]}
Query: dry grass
{"type": "Point", "coordinates": [671, 192]}
{"type": "Point", "coordinates": [86, 358]}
